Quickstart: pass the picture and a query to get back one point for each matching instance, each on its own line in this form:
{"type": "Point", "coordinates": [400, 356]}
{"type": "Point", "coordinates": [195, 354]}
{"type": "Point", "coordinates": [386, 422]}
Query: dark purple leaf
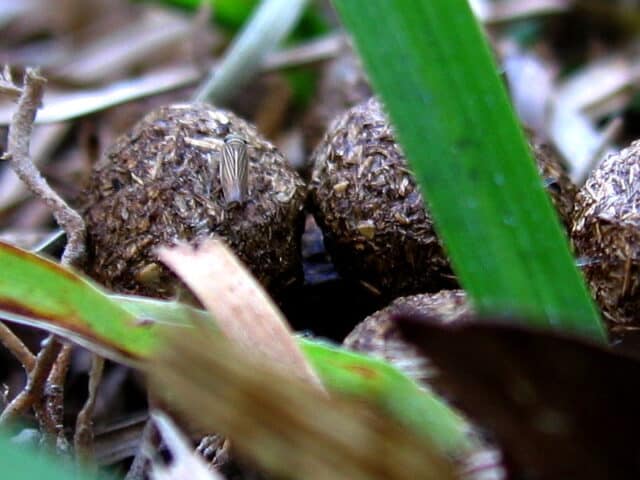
{"type": "Point", "coordinates": [559, 407]}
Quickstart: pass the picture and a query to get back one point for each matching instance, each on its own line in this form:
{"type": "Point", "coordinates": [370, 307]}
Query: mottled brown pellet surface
{"type": "Point", "coordinates": [370, 209]}
{"type": "Point", "coordinates": [378, 336]}
{"type": "Point", "coordinates": [606, 235]}
{"type": "Point", "coordinates": [159, 184]}
{"type": "Point", "coordinates": [372, 213]}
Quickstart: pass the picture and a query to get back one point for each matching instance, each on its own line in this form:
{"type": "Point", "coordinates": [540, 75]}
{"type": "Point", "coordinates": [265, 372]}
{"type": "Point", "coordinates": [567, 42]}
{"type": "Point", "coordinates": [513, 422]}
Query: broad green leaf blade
{"type": "Point", "coordinates": [162, 312]}
{"type": "Point", "coordinates": [355, 374]}
{"type": "Point", "coordinates": [429, 61]}
{"type": "Point", "coordinates": [38, 292]}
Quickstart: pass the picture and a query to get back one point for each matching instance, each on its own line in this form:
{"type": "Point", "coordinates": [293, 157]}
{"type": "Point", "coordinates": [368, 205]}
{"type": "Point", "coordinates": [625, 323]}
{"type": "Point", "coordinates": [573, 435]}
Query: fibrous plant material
{"type": "Point", "coordinates": [378, 335]}
{"type": "Point", "coordinates": [372, 213]}
{"type": "Point", "coordinates": [18, 142]}
{"type": "Point", "coordinates": [606, 235]}
{"type": "Point", "coordinates": [160, 184]}
{"type": "Point", "coordinates": [370, 210]}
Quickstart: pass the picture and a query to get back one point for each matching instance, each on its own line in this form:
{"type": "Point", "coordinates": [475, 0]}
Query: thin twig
{"type": "Point", "coordinates": [49, 407]}
{"type": "Point", "coordinates": [17, 348]}
{"type": "Point", "coordinates": [34, 389]}
{"type": "Point", "coordinates": [83, 438]}
{"type": "Point", "coordinates": [54, 396]}
{"type": "Point", "coordinates": [140, 462]}
{"type": "Point", "coordinates": [19, 137]}
{"type": "Point", "coordinates": [20, 160]}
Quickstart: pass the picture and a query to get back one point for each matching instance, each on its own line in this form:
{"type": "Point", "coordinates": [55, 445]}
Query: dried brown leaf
{"type": "Point", "coordinates": [242, 309]}
{"type": "Point", "coordinates": [286, 426]}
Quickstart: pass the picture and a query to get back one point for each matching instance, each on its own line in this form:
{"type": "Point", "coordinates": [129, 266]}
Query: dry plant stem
{"type": "Point", "coordinates": [17, 348]}
{"type": "Point", "coordinates": [141, 461]}
{"type": "Point", "coordinates": [18, 154]}
{"type": "Point", "coordinates": [61, 367]}
{"type": "Point", "coordinates": [54, 396]}
{"type": "Point", "coordinates": [83, 438]}
{"type": "Point", "coordinates": [35, 385]}
{"type": "Point", "coordinates": [49, 419]}
{"type": "Point", "coordinates": [268, 25]}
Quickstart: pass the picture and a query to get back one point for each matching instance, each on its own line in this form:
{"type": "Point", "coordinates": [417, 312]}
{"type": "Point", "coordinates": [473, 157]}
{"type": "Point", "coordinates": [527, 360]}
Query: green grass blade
{"type": "Point", "coordinates": [269, 25]}
{"type": "Point", "coordinates": [430, 63]}
{"type": "Point", "coordinates": [38, 292]}
{"type": "Point", "coordinates": [354, 374]}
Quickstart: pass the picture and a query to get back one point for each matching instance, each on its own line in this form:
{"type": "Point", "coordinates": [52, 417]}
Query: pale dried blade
{"type": "Point", "coordinates": [286, 426]}
{"type": "Point", "coordinates": [242, 309]}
